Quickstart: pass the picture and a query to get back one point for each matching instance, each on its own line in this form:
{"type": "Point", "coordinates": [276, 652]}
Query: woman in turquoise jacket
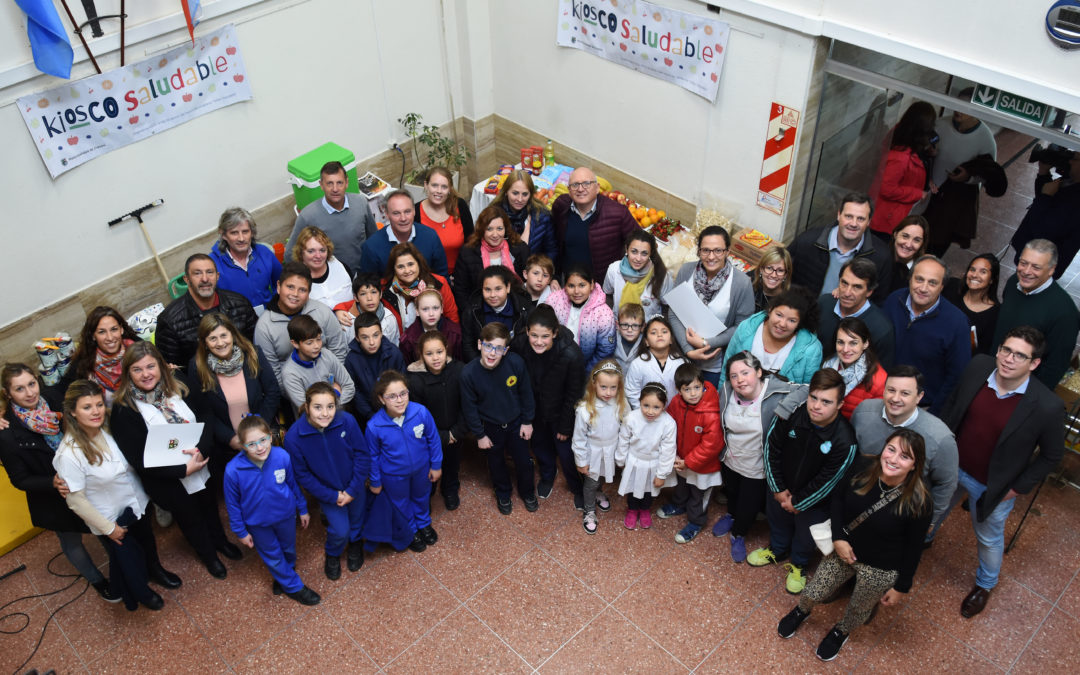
{"type": "Point", "coordinates": [406, 457]}
{"type": "Point", "coordinates": [783, 337]}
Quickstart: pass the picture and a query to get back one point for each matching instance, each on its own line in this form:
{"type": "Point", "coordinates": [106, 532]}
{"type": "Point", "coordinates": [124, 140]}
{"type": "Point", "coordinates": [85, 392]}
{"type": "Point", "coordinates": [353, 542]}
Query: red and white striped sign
{"type": "Point", "coordinates": [776, 165]}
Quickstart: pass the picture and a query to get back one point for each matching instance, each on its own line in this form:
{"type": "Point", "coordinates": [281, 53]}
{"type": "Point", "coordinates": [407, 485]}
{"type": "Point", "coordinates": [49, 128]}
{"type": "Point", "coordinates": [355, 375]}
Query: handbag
{"type": "Point", "coordinates": [822, 532]}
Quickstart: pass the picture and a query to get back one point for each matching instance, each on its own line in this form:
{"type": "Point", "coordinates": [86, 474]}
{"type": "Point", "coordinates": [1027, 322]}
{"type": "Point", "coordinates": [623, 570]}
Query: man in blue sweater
{"type": "Point", "coordinates": [400, 212]}
{"type": "Point", "coordinates": [931, 333]}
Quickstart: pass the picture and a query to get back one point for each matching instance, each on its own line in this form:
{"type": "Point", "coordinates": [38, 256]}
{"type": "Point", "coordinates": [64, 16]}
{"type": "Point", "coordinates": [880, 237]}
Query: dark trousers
{"type": "Point", "coordinates": [507, 438]}
{"type": "Point", "coordinates": [746, 499]}
{"type": "Point", "coordinates": [129, 561]}
{"type": "Point", "coordinates": [199, 521]}
{"type": "Point", "coordinates": [790, 532]}
{"type": "Point", "coordinates": [690, 497]}
{"type": "Point", "coordinates": [639, 503]}
{"type": "Point", "coordinates": [547, 448]}
{"type": "Point", "coordinates": [449, 483]}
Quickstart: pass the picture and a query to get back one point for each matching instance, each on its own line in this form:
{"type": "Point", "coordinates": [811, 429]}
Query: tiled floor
{"type": "Point", "coordinates": [532, 592]}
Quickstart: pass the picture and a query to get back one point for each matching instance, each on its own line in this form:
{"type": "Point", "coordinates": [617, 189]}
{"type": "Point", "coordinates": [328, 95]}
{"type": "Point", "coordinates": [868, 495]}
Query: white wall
{"type": "Point", "coordinates": [341, 70]}
{"type": "Point", "coordinates": [998, 42]}
{"type": "Point", "coordinates": [701, 151]}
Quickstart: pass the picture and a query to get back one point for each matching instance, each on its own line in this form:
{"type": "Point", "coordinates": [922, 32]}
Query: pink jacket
{"type": "Point", "coordinates": [596, 330]}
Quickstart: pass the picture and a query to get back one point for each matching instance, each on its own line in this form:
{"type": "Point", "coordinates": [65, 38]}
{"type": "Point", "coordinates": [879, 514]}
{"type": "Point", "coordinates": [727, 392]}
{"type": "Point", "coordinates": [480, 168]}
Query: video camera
{"type": "Point", "coordinates": [1054, 155]}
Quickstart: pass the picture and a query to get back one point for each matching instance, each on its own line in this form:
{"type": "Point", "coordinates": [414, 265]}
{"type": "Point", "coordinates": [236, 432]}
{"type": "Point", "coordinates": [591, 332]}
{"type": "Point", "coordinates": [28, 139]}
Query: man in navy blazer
{"type": "Point", "coordinates": [1010, 432]}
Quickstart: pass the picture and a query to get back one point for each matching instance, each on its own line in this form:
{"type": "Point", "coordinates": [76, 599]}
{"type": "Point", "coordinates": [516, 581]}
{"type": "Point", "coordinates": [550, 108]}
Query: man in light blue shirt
{"type": "Point", "coordinates": [347, 222]}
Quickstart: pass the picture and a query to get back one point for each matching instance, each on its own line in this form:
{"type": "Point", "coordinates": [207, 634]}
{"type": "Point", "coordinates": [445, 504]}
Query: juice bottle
{"type": "Point", "coordinates": [549, 153]}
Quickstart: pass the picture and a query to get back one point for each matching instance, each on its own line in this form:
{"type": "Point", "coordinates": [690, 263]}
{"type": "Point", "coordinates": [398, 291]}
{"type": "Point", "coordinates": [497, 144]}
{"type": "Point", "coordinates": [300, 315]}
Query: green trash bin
{"type": "Point", "coordinates": [304, 172]}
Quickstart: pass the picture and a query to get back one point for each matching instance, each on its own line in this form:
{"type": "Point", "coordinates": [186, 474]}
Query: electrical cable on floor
{"type": "Point", "coordinates": [48, 567]}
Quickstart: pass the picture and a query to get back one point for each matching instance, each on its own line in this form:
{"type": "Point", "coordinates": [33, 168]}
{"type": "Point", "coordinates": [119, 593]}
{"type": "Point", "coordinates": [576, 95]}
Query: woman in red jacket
{"type": "Point", "coordinates": [855, 361]}
{"type": "Point", "coordinates": [698, 444]}
{"type": "Point", "coordinates": [901, 180]}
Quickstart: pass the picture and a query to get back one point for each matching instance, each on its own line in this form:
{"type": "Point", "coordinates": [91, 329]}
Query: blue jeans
{"type": "Point", "coordinates": [717, 379]}
{"type": "Point", "coordinates": [989, 534]}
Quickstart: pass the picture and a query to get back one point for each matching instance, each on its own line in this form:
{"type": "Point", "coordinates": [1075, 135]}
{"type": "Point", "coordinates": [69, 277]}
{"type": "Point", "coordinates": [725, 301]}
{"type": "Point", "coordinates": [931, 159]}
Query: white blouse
{"type": "Point", "coordinates": [110, 486]}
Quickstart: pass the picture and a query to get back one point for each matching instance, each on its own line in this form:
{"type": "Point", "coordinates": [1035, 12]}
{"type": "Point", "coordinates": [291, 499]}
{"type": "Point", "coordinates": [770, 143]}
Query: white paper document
{"type": "Point", "coordinates": [165, 443]}
{"type": "Point", "coordinates": [692, 311]}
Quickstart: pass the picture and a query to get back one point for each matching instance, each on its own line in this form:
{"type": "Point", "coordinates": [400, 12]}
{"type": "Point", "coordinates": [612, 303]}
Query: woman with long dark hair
{"type": "Point", "coordinates": [976, 296]}
{"type": "Point", "coordinates": [407, 276]}
{"type": "Point", "coordinates": [901, 180]}
{"type": "Point", "coordinates": [640, 276]}
{"type": "Point", "coordinates": [527, 215]}
{"type": "Point", "coordinates": [102, 341]}
{"type": "Point", "coordinates": [856, 362]}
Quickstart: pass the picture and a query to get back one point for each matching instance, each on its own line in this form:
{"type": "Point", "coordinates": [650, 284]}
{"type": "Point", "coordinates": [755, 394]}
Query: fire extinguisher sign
{"type": "Point", "coordinates": [776, 164]}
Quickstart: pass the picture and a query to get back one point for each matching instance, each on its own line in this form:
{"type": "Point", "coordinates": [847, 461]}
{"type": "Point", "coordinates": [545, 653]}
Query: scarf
{"type": "Point", "coordinates": [159, 400]}
{"type": "Point", "coordinates": [505, 259]}
{"type": "Point", "coordinates": [853, 374]}
{"type": "Point", "coordinates": [636, 282]}
{"type": "Point", "coordinates": [107, 369]}
{"type": "Point", "coordinates": [41, 420]}
{"type": "Point", "coordinates": [516, 218]}
{"type": "Point", "coordinates": [412, 291]}
{"type": "Point", "coordinates": [226, 367]}
{"type": "Point", "coordinates": [707, 288]}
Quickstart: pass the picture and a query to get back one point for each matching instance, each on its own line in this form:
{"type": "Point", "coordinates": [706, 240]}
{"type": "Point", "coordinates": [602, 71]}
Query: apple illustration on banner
{"type": "Point", "coordinates": [238, 78]}
{"type": "Point", "coordinates": [73, 140]}
{"type": "Point", "coordinates": [134, 119]}
{"type": "Point", "coordinates": [622, 46]}
{"type": "Point", "coordinates": [187, 98]}
{"type": "Point", "coordinates": [668, 62]}
{"type": "Point", "coordinates": [719, 49]}
{"type": "Point", "coordinates": [713, 77]}
{"type": "Point", "coordinates": [230, 51]}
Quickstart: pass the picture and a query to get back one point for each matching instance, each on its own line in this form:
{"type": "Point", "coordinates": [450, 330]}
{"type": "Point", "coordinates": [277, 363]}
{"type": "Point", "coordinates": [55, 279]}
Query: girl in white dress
{"type": "Point", "coordinates": [647, 450]}
{"type": "Point", "coordinates": [657, 360]}
{"type": "Point", "coordinates": [596, 434]}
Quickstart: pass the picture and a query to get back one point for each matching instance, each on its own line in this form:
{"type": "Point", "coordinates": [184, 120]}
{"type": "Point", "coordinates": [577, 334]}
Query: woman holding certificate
{"type": "Point", "coordinates": [718, 289]}
{"type": "Point", "coordinates": [150, 397]}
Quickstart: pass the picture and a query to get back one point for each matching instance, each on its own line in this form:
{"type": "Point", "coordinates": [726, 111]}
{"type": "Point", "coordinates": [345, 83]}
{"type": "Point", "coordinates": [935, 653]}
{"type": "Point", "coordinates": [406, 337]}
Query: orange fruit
{"type": "Point", "coordinates": [661, 215]}
{"type": "Point", "coordinates": [646, 221]}
{"type": "Point", "coordinates": [653, 214]}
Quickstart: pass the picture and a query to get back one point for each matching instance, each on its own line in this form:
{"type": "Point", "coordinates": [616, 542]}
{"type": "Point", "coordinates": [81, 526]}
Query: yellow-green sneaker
{"type": "Point", "coordinates": [796, 582]}
{"type": "Point", "coordinates": [761, 557]}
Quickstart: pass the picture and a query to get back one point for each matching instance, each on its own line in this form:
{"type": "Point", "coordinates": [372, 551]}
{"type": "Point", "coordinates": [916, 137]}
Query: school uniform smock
{"type": "Point", "coordinates": [594, 441]}
{"type": "Point", "coordinates": [645, 369]}
{"type": "Point", "coordinates": [334, 287]}
{"type": "Point", "coordinates": [261, 497]}
{"type": "Point", "coordinates": [647, 450]}
{"type": "Point", "coordinates": [330, 460]}
{"type": "Point", "coordinates": [110, 486]}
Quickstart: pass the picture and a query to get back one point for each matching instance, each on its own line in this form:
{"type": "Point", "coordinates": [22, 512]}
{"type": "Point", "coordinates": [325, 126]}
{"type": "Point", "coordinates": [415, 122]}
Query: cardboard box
{"type": "Point", "coordinates": [751, 252]}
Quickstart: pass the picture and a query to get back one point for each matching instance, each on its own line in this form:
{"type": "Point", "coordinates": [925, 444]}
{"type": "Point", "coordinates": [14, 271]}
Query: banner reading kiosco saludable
{"type": "Point", "coordinates": [682, 48]}
{"type": "Point", "coordinates": [79, 121]}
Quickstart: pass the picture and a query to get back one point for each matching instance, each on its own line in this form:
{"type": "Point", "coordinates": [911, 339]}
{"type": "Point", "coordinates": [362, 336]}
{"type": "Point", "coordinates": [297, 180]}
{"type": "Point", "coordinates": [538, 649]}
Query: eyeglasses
{"type": "Point", "coordinates": [256, 443]}
{"type": "Point", "coordinates": [774, 271]}
{"type": "Point", "coordinates": [629, 326]}
{"type": "Point", "coordinates": [582, 185]}
{"type": "Point", "coordinates": [495, 349]}
{"type": "Point", "coordinates": [396, 397]}
{"type": "Point", "coordinates": [709, 252]}
{"type": "Point", "coordinates": [1006, 353]}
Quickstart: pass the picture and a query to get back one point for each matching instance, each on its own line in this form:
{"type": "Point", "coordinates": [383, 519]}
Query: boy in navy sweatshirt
{"type": "Point", "coordinates": [497, 402]}
{"type": "Point", "coordinates": [262, 498]}
{"type": "Point", "coordinates": [369, 355]}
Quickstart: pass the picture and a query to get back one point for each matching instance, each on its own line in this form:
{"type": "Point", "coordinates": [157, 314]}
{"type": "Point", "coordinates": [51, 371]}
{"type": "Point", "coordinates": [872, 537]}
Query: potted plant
{"type": "Point", "coordinates": [440, 151]}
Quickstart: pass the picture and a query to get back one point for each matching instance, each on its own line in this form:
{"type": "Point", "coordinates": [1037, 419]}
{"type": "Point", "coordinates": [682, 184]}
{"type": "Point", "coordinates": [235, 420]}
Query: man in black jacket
{"type": "Point", "coordinates": [806, 455]}
{"type": "Point", "coordinates": [178, 325]}
{"type": "Point", "coordinates": [1001, 415]}
{"type": "Point", "coordinates": [820, 253]}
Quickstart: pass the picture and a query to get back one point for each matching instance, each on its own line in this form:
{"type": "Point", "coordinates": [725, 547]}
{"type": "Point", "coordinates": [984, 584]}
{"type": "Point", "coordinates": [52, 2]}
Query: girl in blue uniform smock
{"type": "Point", "coordinates": [406, 457]}
{"type": "Point", "coordinates": [331, 462]}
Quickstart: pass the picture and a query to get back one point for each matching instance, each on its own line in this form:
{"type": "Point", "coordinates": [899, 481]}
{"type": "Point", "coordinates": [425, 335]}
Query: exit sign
{"type": "Point", "coordinates": [1026, 109]}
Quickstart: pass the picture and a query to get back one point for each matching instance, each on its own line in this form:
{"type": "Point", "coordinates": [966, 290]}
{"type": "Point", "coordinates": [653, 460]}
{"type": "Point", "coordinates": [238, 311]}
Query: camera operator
{"type": "Point", "coordinates": [1055, 212]}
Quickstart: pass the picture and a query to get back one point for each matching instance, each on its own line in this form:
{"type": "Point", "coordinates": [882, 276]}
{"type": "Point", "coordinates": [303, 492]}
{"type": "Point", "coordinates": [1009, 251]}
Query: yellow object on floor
{"type": "Point", "coordinates": [15, 527]}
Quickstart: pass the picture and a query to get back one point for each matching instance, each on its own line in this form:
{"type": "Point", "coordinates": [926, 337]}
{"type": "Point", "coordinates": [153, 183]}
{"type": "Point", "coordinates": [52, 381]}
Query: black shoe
{"type": "Point", "coordinates": [418, 544]}
{"type": "Point", "coordinates": [217, 569]}
{"type": "Point", "coordinates": [451, 501]}
{"type": "Point", "coordinates": [791, 622]}
{"type": "Point", "coordinates": [506, 507]}
{"type": "Point", "coordinates": [154, 602]}
{"type": "Point", "coordinates": [102, 587]}
{"type": "Point", "coordinates": [355, 558]}
{"type": "Point", "coordinates": [531, 504]}
{"type": "Point", "coordinates": [163, 577]}
{"type": "Point", "coordinates": [429, 535]}
{"type": "Point", "coordinates": [305, 596]}
{"type": "Point", "coordinates": [831, 644]}
{"type": "Point", "coordinates": [230, 551]}
{"type": "Point", "coordinates": [278, 590]}
{"type": "Point", "coordinates": [332, 567]}
{"type": "Point", "coordinates": [579, 503]}
{"type": "Point", "coordinates": [543, 489]}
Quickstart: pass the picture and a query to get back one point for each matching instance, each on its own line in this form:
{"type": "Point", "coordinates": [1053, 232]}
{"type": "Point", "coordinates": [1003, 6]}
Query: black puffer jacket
{"type": "Point", "coordinates": [472, 321]}
{"type": "Point", "coordinates": [28, 459]}
{"type": "Point", "coordinates": [810, 250]}
{"type": "Point", "coordinates": [441, 395]}
{"type": "Point", "coordinates": [557, 377]}
{"type": "Point", "coordinates": [178, 325]}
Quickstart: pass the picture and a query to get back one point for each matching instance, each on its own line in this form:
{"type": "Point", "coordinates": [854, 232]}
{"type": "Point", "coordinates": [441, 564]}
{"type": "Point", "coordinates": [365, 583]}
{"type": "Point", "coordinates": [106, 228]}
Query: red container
{"type": "Point", "coordinates": [526, 159]}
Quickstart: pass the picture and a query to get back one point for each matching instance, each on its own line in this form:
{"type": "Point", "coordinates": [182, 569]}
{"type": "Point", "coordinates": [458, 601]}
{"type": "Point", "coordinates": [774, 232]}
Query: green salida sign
{"type": "Point", "coordinates": [1026, 109]}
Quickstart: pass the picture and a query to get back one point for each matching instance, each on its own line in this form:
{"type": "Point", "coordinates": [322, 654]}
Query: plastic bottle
{"type": "Point", "coordinates": [549, 153]}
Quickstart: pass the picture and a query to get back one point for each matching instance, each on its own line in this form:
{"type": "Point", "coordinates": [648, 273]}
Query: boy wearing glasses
{"type": "Point", "coordinates": [262, 498]}
{"type": "Point", "coordinates": [497, 402]}
{"type": "Point", "coordinates": [631, 319]}
{"type": "Point", "coordinates": [1000, 415]}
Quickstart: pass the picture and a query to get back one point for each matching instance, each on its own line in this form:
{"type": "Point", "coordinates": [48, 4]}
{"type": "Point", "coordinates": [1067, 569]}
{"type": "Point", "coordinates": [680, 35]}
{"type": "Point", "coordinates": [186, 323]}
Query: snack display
{"type": "Point", "coordinates": [750, 245]}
